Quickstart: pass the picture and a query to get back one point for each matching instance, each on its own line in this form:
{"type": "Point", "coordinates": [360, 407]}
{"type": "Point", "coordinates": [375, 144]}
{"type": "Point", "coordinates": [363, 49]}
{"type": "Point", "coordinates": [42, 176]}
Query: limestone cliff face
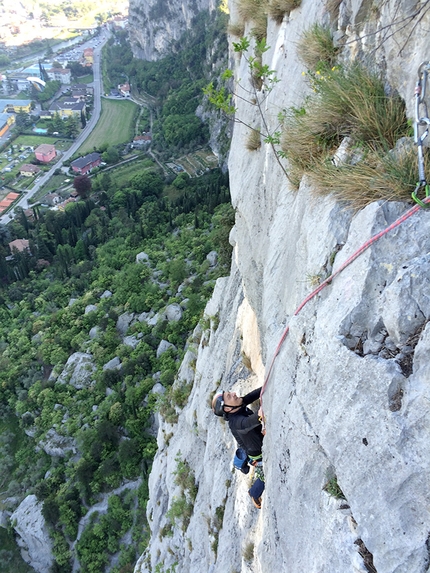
{"type": "Point", "coordinates": [154, 24]}
{"type": "Point", "coordinates": [348, 395]}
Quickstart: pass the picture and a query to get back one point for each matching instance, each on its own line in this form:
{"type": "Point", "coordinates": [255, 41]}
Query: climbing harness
{"type": "Point", "coordinates": [256, 460]}
{"type": "Point", "coordinates": [421, 120]}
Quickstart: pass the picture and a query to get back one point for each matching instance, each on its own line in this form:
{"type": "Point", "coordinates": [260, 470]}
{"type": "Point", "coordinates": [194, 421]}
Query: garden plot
{"type": "Point", "coordinates": [195, 164]}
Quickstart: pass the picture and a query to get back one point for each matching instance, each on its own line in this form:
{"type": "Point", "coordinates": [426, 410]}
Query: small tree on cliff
{"type": "Point", "coordinates": [82, 185]}
{"type": "Point", "coordinates": [262, 81]}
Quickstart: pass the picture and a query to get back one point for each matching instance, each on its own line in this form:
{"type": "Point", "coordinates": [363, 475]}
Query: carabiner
{"type": "Point", "coordinates": [417, 199]}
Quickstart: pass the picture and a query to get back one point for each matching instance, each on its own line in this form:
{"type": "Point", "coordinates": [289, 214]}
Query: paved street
{"type": "Point", "coordinates": [24, 201]}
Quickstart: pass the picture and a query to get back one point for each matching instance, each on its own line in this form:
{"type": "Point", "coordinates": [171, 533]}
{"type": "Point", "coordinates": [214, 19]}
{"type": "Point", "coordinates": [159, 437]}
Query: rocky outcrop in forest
{"type": "Point", "coordinates": [346, 451]}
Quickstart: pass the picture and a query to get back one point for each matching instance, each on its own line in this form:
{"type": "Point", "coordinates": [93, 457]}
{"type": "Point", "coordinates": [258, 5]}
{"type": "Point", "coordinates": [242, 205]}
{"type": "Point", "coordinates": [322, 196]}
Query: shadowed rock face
{"type": "Point", "coordinates": [348, 393]}
{"type": "Point", "coordinates": [155, 24]}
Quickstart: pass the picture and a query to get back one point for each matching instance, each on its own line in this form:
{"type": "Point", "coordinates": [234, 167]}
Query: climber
{"type": "Point", "coordinates": [246, 427]}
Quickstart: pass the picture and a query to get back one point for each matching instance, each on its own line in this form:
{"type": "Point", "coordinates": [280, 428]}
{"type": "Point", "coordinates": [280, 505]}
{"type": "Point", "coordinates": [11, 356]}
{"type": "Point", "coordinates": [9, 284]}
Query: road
{"type": "Point", "coordinates": [42, 54]}
{"type": "Point", "coordinates": [24, 200]}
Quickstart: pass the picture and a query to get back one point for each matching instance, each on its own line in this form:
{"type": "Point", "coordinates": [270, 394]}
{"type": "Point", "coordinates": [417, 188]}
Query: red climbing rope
{"type": "Point", "coordinates": [329, 279]}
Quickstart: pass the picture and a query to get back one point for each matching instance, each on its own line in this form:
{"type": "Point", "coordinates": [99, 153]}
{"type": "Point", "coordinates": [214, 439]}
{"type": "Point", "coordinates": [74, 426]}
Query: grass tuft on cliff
{"type": "Point", "coordinates": [277, 9]}
{"type": "Point", "coordinates": [350, 102]}
{"type": "Point", "coordinates": [236, 29]}
{"type": "Point", "coordinates": [253, 141]}
{"type": "Point", "coordinates": [254, 11]}
{"type": "Point", "coordinates": [379, 176]}
{"type": "Point", "coordinates": [257, 12]}
{"type": "Point", "coordinates": [316, 47]}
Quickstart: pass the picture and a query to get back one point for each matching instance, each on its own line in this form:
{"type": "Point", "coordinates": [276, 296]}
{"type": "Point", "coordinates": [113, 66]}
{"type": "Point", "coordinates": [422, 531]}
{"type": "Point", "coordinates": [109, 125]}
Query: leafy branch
{"type": "Point", "coordinates": [262, 80]}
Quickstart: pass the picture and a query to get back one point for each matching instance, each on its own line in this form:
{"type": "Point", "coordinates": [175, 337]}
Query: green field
{"type": "Point", "coordinates": [86, 79]}
{"type": "Point", "coordinates": [116, 125]}
{"type": "Point", "coordinates": [122, 175]}
{"type": "Point", "coordinates": [35, 140]}
{"type": "Point", "coordinates": [55, 182]}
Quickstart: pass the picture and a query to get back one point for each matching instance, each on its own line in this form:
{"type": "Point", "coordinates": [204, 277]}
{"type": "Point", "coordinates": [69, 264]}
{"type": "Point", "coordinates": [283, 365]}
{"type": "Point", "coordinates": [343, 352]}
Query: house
{"type": "Point", "coordinates": [51, 199]}
{"type": "Point", "coordinates": [81, 90]}
{"type": "Point", "coordinates": [118, 23]}
{"type": "Point", "coordinates": [29, 215]}
{"type": "Point", "coordinates": [78, 87]}
{"type": "Point", "coordinates": [59, 74]}
{"type": "Point", "coordinates": [29, 170]}
{"type": "Point", "coordinates": [142, 140]}
{"type": "Point", "coordinates": [45, 152]}
{"type": "Point", "coordinates": [79, 94]}
{"type": "Point", "coordinates": [124, 89]}
{"type": "Point", "coordinates": [19, 245]}
{"type": "Point", "coordinates": [46, 114]}
{"type": "Point", "coordinates": [68, 107]}
{"type": "Point", "coordinates": [15, 105]}
{"type": "Point", "coordinates": [61, 206]}
{"type": "Point", "coordinates": [88, 58]}
{"type": "Point", "coordinates": [84, 164]}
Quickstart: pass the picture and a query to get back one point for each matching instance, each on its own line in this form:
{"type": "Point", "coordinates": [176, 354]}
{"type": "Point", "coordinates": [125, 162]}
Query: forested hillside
{"type": "Point", "coordinates": [172, 86]}
{"type": "Point", "coordinates": [93, 315]}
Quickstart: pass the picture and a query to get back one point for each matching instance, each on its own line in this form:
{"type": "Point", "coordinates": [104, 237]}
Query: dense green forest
{"type": "Point", "coordinates": [80, 296]}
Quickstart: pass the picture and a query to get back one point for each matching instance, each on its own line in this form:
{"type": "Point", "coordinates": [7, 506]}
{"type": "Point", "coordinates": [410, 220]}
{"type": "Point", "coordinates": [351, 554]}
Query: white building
{"type": "Point", "coordinates": [61, 74]}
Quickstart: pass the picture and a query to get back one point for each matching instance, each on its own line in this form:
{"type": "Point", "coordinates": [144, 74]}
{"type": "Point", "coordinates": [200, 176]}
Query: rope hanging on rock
{"type": "Point", "coordinates": [329, 279]}
{"type": "Point", "coordinates": [421, 120]}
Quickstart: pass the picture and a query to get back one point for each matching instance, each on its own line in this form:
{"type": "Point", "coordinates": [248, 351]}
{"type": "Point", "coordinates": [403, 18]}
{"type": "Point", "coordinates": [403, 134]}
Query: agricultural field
{"type": "Point", "coordinates": [116, 125]}
{"type": "Point", "coordinates": [197, 163]}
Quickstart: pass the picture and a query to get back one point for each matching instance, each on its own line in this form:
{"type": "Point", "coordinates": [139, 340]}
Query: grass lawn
{"type": "Point", "coordinates": [85, 79]}
{"type": "Point", "coordinates": [54, 183]}
{"type": "Point", "coordinates": [24, 183]}
{"type": "Point", "coordinates": [116, 125]}
{"type": "Point", "coordinates": [122, 175]}
{"type": "Point", "coordinates": [35, 140]}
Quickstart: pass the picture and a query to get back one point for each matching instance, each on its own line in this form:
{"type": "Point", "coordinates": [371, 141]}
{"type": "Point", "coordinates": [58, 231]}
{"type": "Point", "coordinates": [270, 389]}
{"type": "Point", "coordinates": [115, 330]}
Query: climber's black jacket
{"type": "Point", "coordinates": [246, 427]}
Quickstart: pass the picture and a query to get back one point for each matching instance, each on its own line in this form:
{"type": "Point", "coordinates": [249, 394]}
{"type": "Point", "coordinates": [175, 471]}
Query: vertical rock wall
{"type": "Point", "coordinates": [349, 392]}
{"type": "Point", "coordinates": [154, 24]}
